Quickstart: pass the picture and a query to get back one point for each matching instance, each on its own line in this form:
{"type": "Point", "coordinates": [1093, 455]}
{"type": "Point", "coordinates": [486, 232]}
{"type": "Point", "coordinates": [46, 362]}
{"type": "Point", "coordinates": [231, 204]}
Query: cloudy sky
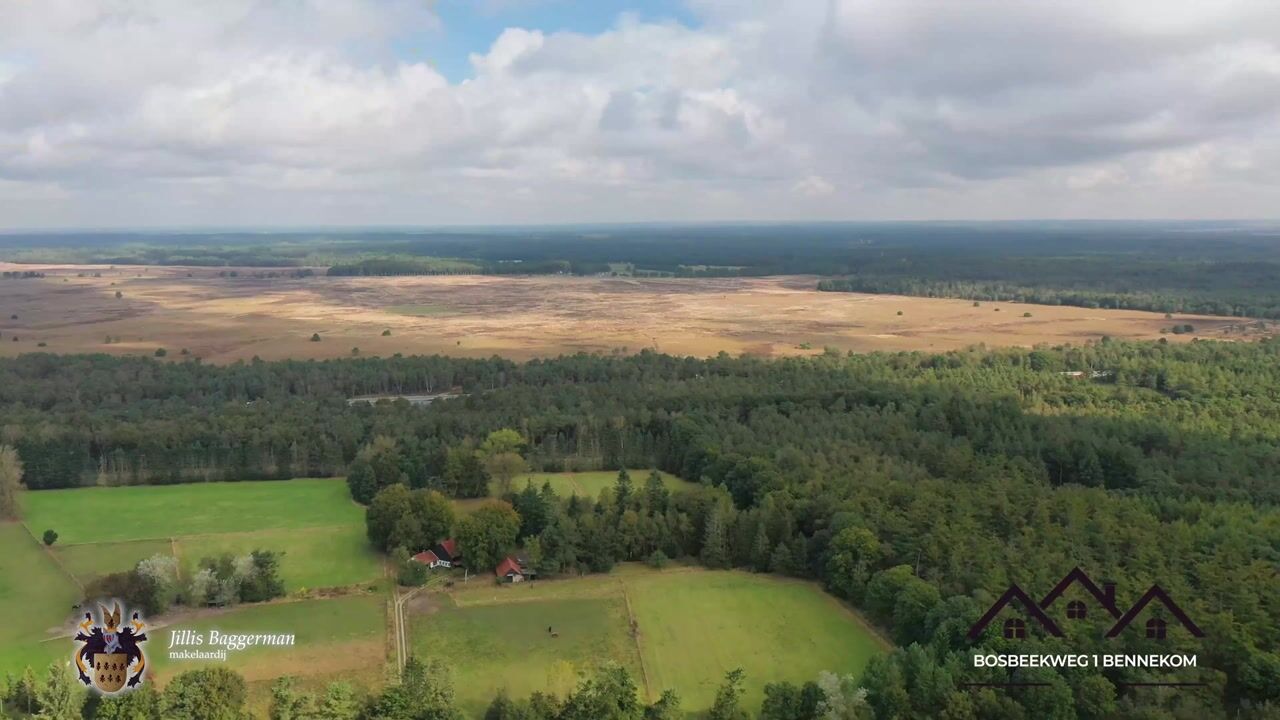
{"type": "Point", "coordinates": [132, 113]}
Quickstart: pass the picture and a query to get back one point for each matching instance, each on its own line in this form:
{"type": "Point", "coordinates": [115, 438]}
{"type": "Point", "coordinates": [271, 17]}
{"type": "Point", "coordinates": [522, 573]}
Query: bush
{"type": "Point", "coordinates": [50, 537]}
{"type": "Point", "coordinates": [1026, 314]}
{"type": "Point", "coordinates": [119, 294]}
{"type": "Point", "coordinates": [658, 560]}
{"type": "Point", "coordinates": [315, 337]}
{"type": "Point", "coordinates": [161, 352]}
{"type": "Point", "coordinates": [386, 333]}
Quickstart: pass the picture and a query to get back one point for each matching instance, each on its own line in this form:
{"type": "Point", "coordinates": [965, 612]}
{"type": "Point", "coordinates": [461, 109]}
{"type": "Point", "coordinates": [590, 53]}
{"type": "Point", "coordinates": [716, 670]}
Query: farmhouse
{"type": "Point", "coordinates": [512, 570]}
{"type": "Point", "coordinates": [445, 554]}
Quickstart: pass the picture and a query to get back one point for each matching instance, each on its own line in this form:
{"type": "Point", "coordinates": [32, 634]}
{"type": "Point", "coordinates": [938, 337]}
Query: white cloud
{"type": "Point", "coordinates": [254, 111]}
{"type": "Point", "coordinates": [813, 186]}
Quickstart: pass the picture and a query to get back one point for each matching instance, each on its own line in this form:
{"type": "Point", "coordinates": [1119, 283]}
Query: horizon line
{"type": "Point", "coordinates": [403, 228]}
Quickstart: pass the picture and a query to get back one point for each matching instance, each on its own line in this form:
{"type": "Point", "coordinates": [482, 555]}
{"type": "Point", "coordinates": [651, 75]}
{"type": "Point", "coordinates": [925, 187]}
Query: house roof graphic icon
{"type": "Point", "coordinates": [1155, 593]}
{"type": "Point", "coordinates": [1105, 597]}
{"type": "Point", "coordinates": [1028, 605]}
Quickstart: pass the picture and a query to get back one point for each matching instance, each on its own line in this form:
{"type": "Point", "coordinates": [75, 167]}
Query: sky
{"type": "Point", "coordinates": [169, 113]}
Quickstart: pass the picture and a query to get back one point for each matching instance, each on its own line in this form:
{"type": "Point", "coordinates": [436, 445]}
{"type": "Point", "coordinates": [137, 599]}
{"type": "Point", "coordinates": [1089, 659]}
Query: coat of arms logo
{"type": "Point", "coordinates": [110, 657]}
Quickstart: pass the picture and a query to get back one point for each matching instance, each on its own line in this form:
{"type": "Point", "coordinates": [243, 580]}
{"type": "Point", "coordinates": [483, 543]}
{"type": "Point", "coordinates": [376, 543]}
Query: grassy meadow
{"type": "Point", "coordinates": [334, 637]}
{"type": "Point", "coordinates": [312, 521]}
{"type": "Point", "coordinates": [489, 647]}
{"type": "Point", "coordinates": [144, 512]}
{"type": "Point", "coordinates": [691, 626]}
{"type": "Point", "coordinates": [589, 484]}
{"type": "Point", "coordinates": [35, 600]}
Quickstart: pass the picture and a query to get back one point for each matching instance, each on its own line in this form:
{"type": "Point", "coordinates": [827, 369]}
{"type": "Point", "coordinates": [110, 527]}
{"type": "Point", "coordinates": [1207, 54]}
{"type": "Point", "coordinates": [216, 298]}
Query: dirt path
{"type": "Point", "coordinates": [635, 634]}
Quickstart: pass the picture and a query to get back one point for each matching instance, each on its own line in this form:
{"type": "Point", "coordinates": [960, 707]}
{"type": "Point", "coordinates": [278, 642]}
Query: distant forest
{"type": "Point", "coordinates": [1230, 269]}
{"type": "Point", "coordinates": [916, 486]}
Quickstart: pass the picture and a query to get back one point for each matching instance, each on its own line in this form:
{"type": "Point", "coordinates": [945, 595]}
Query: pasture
{"type": "Point", "coordinates": [224, 319]}
{"type": "Point", "coordinates": [691, 626]}
{"type": "Point", "coordinates": [147, 512]}
{"type": "Point", "coordinates": [334, 637]}
{"type": "Point", "coordinates": [35, 600]}
{"type": "Point", "coordinates": [589, 484]}
{"type": "Point", "coordinates": [313, 522]}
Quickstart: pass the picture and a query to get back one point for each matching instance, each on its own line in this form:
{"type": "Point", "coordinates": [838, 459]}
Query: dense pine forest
{"type": "Point", "coordinates": [915, 486]}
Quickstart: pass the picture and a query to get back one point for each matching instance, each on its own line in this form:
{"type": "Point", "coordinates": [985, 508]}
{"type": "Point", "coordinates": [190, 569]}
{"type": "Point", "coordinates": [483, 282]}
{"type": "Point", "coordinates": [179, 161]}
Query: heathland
{"type": "Point", "coordinates": [208, 314]}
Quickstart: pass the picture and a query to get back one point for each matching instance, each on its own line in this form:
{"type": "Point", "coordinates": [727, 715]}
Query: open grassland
{"type": "Point", "coordinates": [773, 629]}
{"type": "Point", "coordinates": [334, 637]}
{"type": "Point", "coordinates": [162, 511]}
{"type": "Point", "coordinates": [495, 646]}
{"type": "Point", "coordinates": [223, 319]}
{"type": "Point", "coordinates": [87, 561]}
{"type": "Point", "coordinates": [35, 600]}
{"type": "Point", "coordinates": [313, 522]}
{"type": "Point", "coordinates": [317, 557]}
{"type": "Point", "coordinates": [589, 484]}
{"type": "Point", "coordinates": [690, 627]}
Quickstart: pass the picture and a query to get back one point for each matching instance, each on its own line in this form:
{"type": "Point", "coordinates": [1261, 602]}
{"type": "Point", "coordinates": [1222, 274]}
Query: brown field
{"type": "Point", "coordinates": [223, 319]}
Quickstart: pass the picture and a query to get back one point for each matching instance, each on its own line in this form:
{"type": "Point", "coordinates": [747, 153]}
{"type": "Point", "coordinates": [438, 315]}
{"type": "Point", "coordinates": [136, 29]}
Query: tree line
{"type": "Point", "coordinates": [423, 691]}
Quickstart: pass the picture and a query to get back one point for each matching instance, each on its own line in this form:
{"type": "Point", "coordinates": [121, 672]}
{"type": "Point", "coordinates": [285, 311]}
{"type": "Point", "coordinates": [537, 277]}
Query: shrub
{"type": "Point", "coordinates": [161, 352]}
{"type": "Point", "coordinates": [1026, 314]}
{"type": "Point", "coordinates": [50, 537]}
{"type": "Point", "coordinates": [658, 560]}
{"type": "Point", "coordinates": [119, 294]}
{"type": "Point", "coordinates": [315, 337]}
{"type": "Point", "coordinates": [386, 333]}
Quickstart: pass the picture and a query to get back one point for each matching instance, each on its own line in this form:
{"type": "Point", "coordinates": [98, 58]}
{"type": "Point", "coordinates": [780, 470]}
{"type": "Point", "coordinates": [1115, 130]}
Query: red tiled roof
{"type": "Point", "coordinates": [426, 557]}
{"type": "Point", "coordinates": [450, 546]}
{"type": "Point", "coordinates": [508, 566]}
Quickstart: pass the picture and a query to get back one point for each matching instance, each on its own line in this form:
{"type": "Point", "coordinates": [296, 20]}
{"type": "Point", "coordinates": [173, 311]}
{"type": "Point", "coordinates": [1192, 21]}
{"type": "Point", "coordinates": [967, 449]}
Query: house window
{"type": "Point", "coordinates": [1015, 629]}
{"type": "Point", "coordinates": [1077, 610]}
{"type": "Point", "coordinates": [1155, 629]}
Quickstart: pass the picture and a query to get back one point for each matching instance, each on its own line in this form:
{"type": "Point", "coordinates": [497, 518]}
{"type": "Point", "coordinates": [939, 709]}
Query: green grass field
{"type": "Point", "coordinates": [145, 512]}
{"type": "Point", "coordinates": [91, 560]}
{"type": "Point", "coordinates": [773, 629]}
{"type": "Point", "coordinates": [489, 647]}
{"type": "Point", "coordinates": [693, 626]}
{"type": "Point", "coordinates": [35, 600]}
{"type": "Point", "coordinates": [334, 637]}
{"type": "Point", "coordinates": [314, 557]}
{"type": "Point", "coordinates": [313, 522]}
{"type": "Point", "coordinates": [589, 484]}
